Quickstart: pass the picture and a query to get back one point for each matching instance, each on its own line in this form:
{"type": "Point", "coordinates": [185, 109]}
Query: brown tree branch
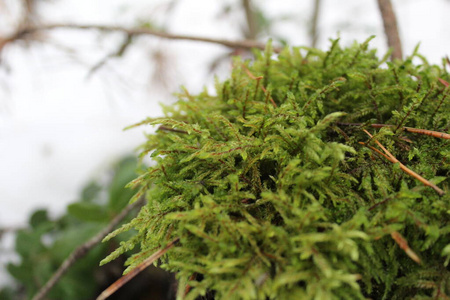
{"type": "Point", "coordinates": [118, 53]}
{"type": "Point", "coordinates": [390, 28]}
{"type": "Point", "coordinates": [314, 34]}
{"type": "Point", "coordinates": [251, 22]}
{"type": "Point", "coordinates": [243, 44]}
{"type": "Point", "coordinates": [82, 250]}
{"type": "Point", "coordinates": [18, 35]}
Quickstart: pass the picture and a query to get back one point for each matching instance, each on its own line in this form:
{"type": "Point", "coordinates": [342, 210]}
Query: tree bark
{"type": "Point", "coordinates": [390, 28]}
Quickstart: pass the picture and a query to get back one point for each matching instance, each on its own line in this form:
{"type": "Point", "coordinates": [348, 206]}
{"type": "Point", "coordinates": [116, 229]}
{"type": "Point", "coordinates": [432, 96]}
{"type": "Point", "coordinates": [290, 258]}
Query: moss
{"type": "Point", "coordinates": [275, 193]}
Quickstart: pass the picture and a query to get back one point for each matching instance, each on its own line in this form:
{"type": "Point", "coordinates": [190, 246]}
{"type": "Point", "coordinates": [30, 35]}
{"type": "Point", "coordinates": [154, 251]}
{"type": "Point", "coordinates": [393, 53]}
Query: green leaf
{"type": "Point", "coordinates": [90, 212]}
{"type": "Point", "coordinates": [72, 238]}
{"type": "Point", "coordinates": [90, 191]}
{"type": "Point", "coordinates": [119, 196]}
{"type": "Point", "coordinates": [446, 252]}
{"type": "Point", "coordinates": [28, 243]}
{"type": "Point", "coordinates": [39, 217]}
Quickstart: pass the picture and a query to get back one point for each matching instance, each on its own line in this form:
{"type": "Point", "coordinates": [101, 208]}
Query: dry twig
{"type": "Point", "coordinates": [436, 134]}
{"type": "Point", "coordinates": [243, 44]}
{"type": "Point", "coordinates": [400, 240]}
{"type": "Point", "coordinates": [147, 262]}
{"type": "Point", "coordinates": [118, 53]}
{"type": "Point", "coordinates": [82, 250]}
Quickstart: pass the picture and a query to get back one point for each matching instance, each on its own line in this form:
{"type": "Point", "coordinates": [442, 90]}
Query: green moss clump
{"type": "Point", "coordinates": [273, 196]}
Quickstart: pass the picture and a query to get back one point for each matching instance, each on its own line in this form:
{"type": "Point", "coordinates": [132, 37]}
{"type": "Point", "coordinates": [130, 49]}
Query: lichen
{"type": "Point", "coordinates": [276, 192]}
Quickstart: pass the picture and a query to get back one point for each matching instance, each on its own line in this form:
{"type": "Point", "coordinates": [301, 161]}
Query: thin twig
{"type": "Point", "coordinates": [432, 133]}
{"type": "Point", "coordinates": [436, 134]}
{"type": "Point", "coordinates": [379, 203]}
{"type": "Point", "coordinates": [118, 53]}
{"type": "Point", "coordinates": [18, 35]}
{"type": "Point", "coordinates": [244, 44]}
{"type": "Point", "coordinates": [165, 128]}
{"type": "Point", "coordinates": [82, 250]}
{"type": "Point", "coordinates": [403, 243]}
{"type": "Point", "coordinates": [188, 287]}
{"type": "Point", "coordinates": [251, 22]}
{"type": "Point", "coordinates": [443, 81]}
{"type": "Point", "coordinates": [147, 262]}
{"type": "Point", "coordinates": [390, 28]}
{"type": "Point", "coordinates": [388, 155]}
{"type": "Point", "coordinates": [314, 34]}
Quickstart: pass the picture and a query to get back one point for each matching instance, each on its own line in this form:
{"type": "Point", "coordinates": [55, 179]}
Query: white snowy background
{"type": "Point", "coordinates": [60, 127]}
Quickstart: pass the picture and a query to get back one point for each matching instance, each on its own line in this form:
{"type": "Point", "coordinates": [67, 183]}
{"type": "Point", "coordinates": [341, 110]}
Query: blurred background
{"type": "Point", "coordinates": [66, 94]}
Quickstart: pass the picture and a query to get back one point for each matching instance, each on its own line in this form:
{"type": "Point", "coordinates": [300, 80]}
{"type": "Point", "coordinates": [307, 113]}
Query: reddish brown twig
{"type": "Point", "coordinates": [436, 134]}
{"type": "Point", "coordinates": [258, 79]}
{"type": "Point", "coordinates": [392, 159]}
{"type": "Point", "coordinates": [379, 203]}
{"type": "Point", "coordinates": [403, 243]}
{"type": "Point", "coordinates": [432, 133]}
{"type": "Point", "coordinates": [390, 28]}
{"type": "Point", "coordinates": [146, 263]}
{"type": "Point", "coordinates": [188, 288]}
{"type": "Point", "coordinates": [82, 250]}
{"type": "Point", "coordinates": [443, 81]}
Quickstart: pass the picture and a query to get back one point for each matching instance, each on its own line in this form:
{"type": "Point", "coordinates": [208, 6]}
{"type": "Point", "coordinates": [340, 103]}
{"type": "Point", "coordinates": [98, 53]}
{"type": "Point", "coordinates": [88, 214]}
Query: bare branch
{"type": "Point", "coordinates": [390, 28]}
{"type": "Point", "coordinates": [18, 35]}
{"type": "Point", "coordinates": [29, 14]}
{"type": "Point", "coordinates": [118, 53]}
{"type": "Point", "coordinates": [82, 250]}
{"type": "Point", "coordinates": [243, 44]}
{"type": "Point", "coordinates": [314, 34]}
{"type": "Point", "coordinates": [250, 17]}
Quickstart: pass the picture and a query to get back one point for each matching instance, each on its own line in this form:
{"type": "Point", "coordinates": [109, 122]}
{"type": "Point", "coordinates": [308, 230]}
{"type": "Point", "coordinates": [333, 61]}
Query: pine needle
{"type": "Point", "coordinates": [124, 279]}
{"type": "Point", "coordinates": [410, 172]}
{"type": "Point", "coordinates": [436, 134]}
{"type": "Point", "coordinates": [403, 243]}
